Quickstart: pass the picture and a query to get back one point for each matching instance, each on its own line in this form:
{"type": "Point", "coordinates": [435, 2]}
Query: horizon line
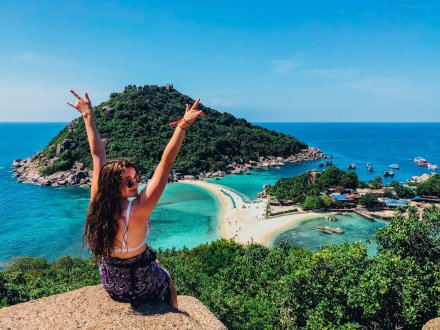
{"type": "Point", "coordinates": [256, 122]}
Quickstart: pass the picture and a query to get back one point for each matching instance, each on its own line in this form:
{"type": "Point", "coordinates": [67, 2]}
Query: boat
{"type": "Point", "coordinates": [329, 163]}
{"type": "Point", "coordinates": [332, 219]}
{"type": "Point", "coordinates": [423, 163]}
{"type": "Point", "coordinates": [351, 166]}
{"type": "Point", "coordinates": [321, 165]}
{"type": "Point", "coordinates": [369, 167]}
{"type": "Point", "coordinates": [432, 167]}
{"type": "Point", "coordinates": [394, 166]}
{"type": "Point", "coordinates": [388, 173]}
{"type": "Point", "coordinates": [419, 159]}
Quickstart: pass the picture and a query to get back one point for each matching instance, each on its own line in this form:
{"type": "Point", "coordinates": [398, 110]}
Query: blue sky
{"type": "Point", "coordinates": [263, 61]}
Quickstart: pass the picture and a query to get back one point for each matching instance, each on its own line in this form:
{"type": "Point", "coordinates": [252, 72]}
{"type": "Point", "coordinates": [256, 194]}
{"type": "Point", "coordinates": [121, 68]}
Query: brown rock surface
{"type": "Point", "coordinates": [434, 324]}
{"type": "Point", "coordinates": [91, 308]}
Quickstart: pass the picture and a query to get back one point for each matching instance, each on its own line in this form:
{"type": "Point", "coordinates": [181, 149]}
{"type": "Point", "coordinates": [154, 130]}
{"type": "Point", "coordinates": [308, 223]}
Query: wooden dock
{"type": "Point", "coordinates": [364, 215]}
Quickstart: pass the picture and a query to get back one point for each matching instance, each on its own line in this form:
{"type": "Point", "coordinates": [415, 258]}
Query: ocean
{"type": "Point", "coordinates": [49, 221]}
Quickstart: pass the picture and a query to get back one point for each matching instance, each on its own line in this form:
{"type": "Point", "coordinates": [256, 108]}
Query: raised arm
{"type": "Point", "coordinates": [149, 196]}
{"type": "Point", "coordinates": [84, 106]}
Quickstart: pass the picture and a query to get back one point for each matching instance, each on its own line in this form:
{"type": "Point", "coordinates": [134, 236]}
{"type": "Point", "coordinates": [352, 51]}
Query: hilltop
{"type": "Point", "coordinates": [134, 124]}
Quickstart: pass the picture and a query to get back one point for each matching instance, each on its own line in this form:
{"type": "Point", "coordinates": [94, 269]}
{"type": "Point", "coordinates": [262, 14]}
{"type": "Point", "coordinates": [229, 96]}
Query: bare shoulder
{"type": "Point", "coordinates": [139, 213]}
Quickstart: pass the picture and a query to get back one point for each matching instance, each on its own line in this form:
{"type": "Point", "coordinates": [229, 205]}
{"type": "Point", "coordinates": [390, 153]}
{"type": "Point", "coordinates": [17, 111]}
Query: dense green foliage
{"type": "Point", "coordinates": [139, 130]}
{"type": "Point", "coordinates": [369, 200]}
{"type": "Point", "coordinates": [252, 287]}
{"type": "Point", "coordinates": [430, 187]}
{"type": "Point", "coordinates": [318, 202]}
{"type": "Point", "coordinates": [401, 191]}
{"type": "Point", "coordinates": [297, 188]}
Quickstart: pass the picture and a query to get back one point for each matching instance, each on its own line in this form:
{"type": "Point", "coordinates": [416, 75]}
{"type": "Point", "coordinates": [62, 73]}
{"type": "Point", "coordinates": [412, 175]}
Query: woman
{"type": "Point", "coordinates": [116, 228]}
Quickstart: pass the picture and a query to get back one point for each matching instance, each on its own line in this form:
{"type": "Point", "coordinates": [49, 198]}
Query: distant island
{"type": "Point", "coordinates": [134, 124]}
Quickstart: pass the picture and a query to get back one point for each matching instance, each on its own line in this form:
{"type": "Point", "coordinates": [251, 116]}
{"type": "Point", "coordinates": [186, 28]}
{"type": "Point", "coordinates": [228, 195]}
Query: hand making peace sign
{"type": "Point", "coordinates": [84, 106]}
{"type": "Point", "coordinates": [191, 113]}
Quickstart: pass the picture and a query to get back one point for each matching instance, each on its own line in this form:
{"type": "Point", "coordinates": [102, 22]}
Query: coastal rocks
{"type": "Point", "coordinates": [27, 171]}
{"type": "Point", "coordinates": [308, 154]}
{"type": "Point", "coordinates": [67, 144]}
{"type": "Point", "coordinates": [419, 179]}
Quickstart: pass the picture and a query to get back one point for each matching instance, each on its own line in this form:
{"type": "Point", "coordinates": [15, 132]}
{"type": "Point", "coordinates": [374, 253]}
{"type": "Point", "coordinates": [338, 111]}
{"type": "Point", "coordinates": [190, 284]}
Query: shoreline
{"type": "Point", "coordinates": [245, 223]}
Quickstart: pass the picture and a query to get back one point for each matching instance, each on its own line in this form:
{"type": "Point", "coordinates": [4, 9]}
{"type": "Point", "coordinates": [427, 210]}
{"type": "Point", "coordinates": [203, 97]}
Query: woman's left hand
{"type": "Point", "coordinates": [191, 113]}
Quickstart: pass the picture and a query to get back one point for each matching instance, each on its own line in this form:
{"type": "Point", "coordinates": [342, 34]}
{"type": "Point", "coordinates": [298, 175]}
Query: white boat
{"type": "Point", "coordinates": [395, 166]}
{"type": "Point", "coordinates": [419, 159]}
{"type": "Point", "coordinates": [351, 166]}
{"type": "Point", "coordinates": [432, 166]}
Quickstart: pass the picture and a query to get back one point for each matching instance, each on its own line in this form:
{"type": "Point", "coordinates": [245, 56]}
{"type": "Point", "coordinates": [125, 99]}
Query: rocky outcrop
{"type": "Point", "coordinates": [91, 308]}
{"type": "Point", "coordinates": [308, 154]}
{"type": "Point", "coordinates": [28, 171]}
{"type": "Point", "coordinates": [434, 324]}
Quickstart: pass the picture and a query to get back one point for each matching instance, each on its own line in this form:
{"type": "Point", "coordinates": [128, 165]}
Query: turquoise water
{"type": "Point", "coordinates": [48, 221]}
{"type": "Point", "coordinates": [380, 144]}
{"type": "Point", "coordinates": [306, 234]}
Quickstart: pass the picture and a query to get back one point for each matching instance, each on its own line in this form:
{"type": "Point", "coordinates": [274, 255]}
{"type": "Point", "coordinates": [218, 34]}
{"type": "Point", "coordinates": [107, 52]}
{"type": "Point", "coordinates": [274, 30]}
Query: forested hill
{"type": "Point", "coordinates": [134, 124]}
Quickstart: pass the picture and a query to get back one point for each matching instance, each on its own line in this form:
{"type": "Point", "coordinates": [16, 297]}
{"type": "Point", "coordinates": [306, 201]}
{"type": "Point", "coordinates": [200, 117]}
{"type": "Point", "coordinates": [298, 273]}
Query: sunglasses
{"type": "Point", "coordinates": [129, 182]}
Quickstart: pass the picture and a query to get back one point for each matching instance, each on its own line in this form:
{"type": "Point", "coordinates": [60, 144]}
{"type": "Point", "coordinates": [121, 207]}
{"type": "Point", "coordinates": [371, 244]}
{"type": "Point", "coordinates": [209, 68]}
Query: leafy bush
{"type": "Point", "coordinates": [254, 287]}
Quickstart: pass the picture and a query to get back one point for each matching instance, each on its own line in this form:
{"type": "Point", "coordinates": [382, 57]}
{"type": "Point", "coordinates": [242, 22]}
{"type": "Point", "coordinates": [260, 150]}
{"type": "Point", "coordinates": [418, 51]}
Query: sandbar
{"type": "Point", "coordinates": [246, 222]}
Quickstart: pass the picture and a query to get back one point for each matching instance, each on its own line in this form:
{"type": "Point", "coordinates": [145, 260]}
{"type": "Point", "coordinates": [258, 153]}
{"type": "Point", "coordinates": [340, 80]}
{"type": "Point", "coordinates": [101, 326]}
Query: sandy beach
{"type": "Point", "coordinates": [245, 223]}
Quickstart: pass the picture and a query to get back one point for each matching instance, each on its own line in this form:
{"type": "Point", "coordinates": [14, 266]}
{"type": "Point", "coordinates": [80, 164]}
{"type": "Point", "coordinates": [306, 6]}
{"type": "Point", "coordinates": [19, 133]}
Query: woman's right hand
{"type": "Point", "coordinates": [83, 105]}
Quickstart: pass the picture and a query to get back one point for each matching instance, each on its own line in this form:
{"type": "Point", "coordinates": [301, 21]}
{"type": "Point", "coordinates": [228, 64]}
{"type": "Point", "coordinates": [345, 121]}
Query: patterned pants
{"type": "Point", "coordinates": [135, 279]}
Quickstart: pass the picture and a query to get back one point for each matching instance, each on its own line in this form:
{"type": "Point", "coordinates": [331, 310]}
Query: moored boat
{"type": "Point", "coordinates": [369, 167]}
{"type": "Point", "coordinates": [394, 166]}
{"type": "Point", "coordinates": [423, 163]}
{"type": "Point", "coordinates": [388, 173]}
{"type": "Point", "coordinates": [419, 159]}
{"type": "Point", "coordinates": [432, 167]}
{"type": "Point", "coordinates": [351, 166]}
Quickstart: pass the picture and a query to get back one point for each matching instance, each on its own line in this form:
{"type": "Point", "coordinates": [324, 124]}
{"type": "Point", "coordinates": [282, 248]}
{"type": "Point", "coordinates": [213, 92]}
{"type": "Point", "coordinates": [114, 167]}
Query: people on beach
{"type": "Point", "coordinates": [117, 221]}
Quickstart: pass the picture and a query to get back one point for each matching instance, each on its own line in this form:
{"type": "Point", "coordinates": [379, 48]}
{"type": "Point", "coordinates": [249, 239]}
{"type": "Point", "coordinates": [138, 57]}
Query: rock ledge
{"type": "Point", "coordinates": [91, 308]}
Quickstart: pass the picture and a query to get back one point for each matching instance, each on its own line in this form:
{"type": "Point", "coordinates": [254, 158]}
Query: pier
{"type": "Point", "coordinates": [364, 215]}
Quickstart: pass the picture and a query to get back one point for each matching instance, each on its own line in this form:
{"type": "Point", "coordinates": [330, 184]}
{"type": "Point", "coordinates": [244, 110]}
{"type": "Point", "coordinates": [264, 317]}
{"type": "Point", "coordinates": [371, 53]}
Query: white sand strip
{"type": "Point", "coordinates": [246, 223]}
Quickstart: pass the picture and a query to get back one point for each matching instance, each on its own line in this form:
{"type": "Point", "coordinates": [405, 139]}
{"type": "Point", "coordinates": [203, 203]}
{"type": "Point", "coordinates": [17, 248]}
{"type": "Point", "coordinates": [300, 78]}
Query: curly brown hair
{"type": "Point", "coordinates": [105, 208]}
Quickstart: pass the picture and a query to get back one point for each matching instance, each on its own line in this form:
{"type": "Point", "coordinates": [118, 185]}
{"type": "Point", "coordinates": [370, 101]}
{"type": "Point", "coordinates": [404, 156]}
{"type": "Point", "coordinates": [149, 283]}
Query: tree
{"type": "Point", "coordinates": [369, 200]}
{"type": "Point", "coordinates": [430, 187]}
{"type": "Point", "coordinates": [376, 183]}
{"type": "Point", "coordinates": [411, 237]}
{"type": "Point", "coordinates": [311, 203]}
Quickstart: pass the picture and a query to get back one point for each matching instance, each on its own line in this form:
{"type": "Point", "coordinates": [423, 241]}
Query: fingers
{"type": "Point", "coordinates": [187, 108]}
{"type": "Point", "coordinates": [87, 97]}
{"type": "Point", "coordinates": [76, 95]}
{"type": "Point", "coordinates": [196, 104]}
{"type": "Point", "coordinates": [71, 105]}
{"type": "Point", "coordinates": [201, 113]}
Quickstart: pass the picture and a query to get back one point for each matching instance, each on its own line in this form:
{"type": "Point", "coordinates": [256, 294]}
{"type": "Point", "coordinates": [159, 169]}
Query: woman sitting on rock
{"type": "Point", "coordinates": [116, 227]}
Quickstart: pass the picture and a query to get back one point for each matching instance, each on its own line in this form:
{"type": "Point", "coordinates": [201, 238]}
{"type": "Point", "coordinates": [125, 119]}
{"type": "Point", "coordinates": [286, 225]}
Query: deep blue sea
{"type": "Point", "coordinates": [48, 221]}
